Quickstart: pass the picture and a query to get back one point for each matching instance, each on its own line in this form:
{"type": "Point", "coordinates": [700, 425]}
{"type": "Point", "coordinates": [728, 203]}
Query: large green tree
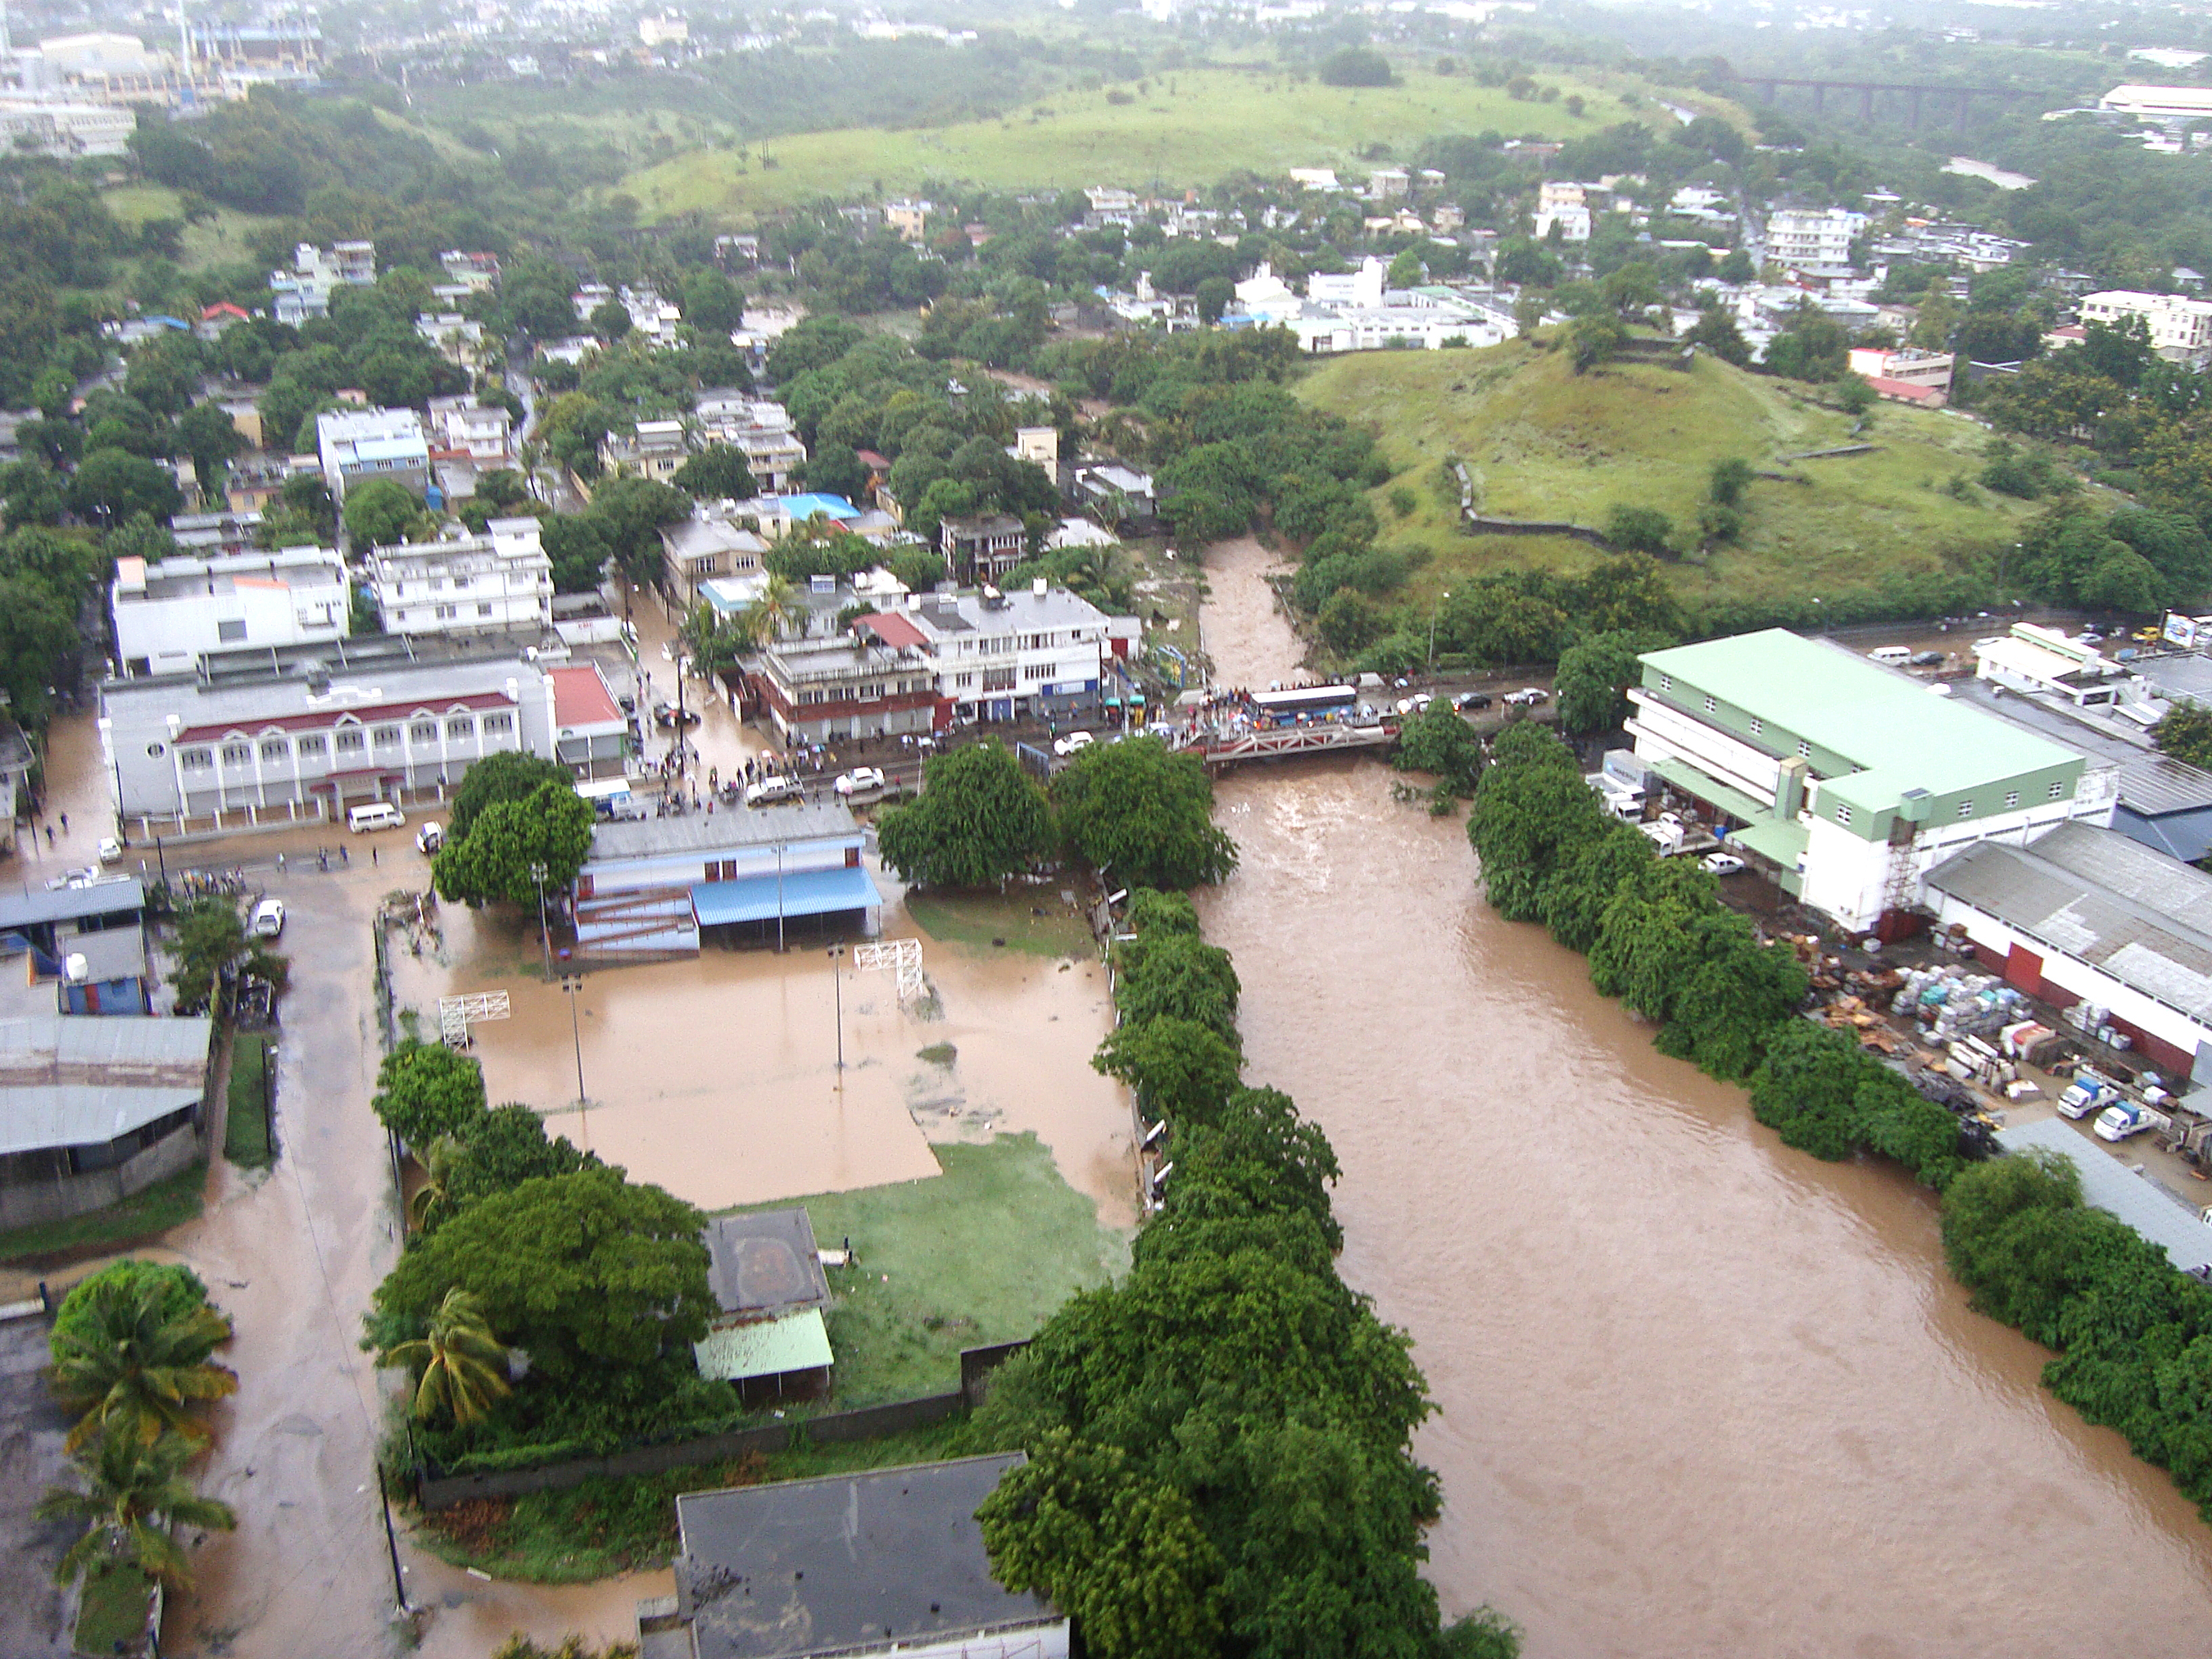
{"type": "Point", "coordinates": [425, 1091]}
{"type": "Point", "coordinates": [132, 1368]}
{"type": "Point", "coordinates": [1594, 675]}
{"type": "Point", "coordinates": [509, 840]}
{"type": "Point", "coordinates": [980, 820]}
{"type": "Point", "coordinates": [512, 775]}
{"type": "Point", "coordinates": [1439, 741]}
{"type": "Point", "coordinates": [588, 1273]}
{"type": "Point", "coordinates": [1143, 814]}
{"type": "Point", "coordinates": [379, 512]}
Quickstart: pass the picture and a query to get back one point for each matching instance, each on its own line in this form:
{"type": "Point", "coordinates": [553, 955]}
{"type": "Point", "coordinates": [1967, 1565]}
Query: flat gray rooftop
{"type": "Point", "coordinates": [765, 1263]}
{"type": "Point", "coordinates": [2110, 1185]}
{"type": "Point", "coordinates": [734, 826]}
{"type": "Point", "coordinates": [849, 1562]}
{"type": "Point", "coordinates": [27, 907]}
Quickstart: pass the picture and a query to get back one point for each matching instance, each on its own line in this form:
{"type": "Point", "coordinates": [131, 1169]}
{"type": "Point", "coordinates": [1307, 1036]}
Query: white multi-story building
{"type": "Point", "coordinates": [1846, 780]}
{"type": "Point", "coordinates": [459, 340]}
{"type": "Point", "coordinates": [2180, 328]}
{"type": "Point", "coordinates": [307, 742]}
{"type": "Point", "coordinates": [64, 127]}
{"type": "Point", "coordinates": [1038, 652]}
{"type": "Point", "coordinates": [356, 445]}
{"type": "Point", "coordinates": [759, 430]}
{"type": "Point", "coordinates": [656, 450]}
{"type": "Point", "coordinates": [169, 616]}
{"type": "Point", "coordinates": [1563, 203]}
{"type": "Point", "coordinates": [462, 584]}
{"type": "Point", "coordinates": [1799, 236]}
{"type": "Point", "coordinates": [305, 291]}
{"type": "Point", "coordinates": [485, 432]}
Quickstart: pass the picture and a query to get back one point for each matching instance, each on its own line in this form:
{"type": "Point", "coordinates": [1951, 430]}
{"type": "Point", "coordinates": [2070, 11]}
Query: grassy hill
{"type": "Point", "coordinates": [212, 241]}
{"type": "Point", "coordinates": [1542, 443]}
{"type": "Point", "coordinates": [1188, 127]}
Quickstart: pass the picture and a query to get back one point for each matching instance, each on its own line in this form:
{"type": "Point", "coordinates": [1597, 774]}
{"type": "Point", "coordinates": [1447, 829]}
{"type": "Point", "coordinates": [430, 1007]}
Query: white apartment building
{"type": "Point", "coordinates": [169, 616]}
{"type": "Point", "coordinates": [459, 340]}
{"type": "Point", "coordinates": [484, 432]}
{"type": "Point", "coordinates": [305, 291]}
{"type": "Point", "coordinates": [1565, 204]}
{"type": "Point", "coordinates": [1798, 236]}
{"type": "Point", "coordinates": [462, 584]}
{"type": "Point", "coordinates": [656, 450]}
{"type": "Point", "coordinates": [63, 127]}
{"type": "Point", "coordinates": [759, 430]}
{"type": "Point", "coordinates": [2180, 328]}
{"type": "Point", "coordinates": [1362, 286]}
{"type": "Point", "coordinates": [358, 445]}
{"type": "Point", "coordinates": [1036, 652]}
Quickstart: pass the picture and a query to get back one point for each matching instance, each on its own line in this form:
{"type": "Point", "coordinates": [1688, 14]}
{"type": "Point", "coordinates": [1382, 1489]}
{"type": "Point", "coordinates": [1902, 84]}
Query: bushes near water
{"type": "Point", "coordinates": [1224, 1437]}
{"type": "Point", "coordinates": [2134, 1334]}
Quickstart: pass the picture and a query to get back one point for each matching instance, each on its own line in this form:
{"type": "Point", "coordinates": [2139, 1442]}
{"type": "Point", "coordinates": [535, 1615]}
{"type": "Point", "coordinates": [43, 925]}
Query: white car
{"type": "Point", "coordinates": [1983, 645]}
{"type": "Point", "coordinates": [1073, 743]}
{"type": "Point", "coordinates": [1720, 863]}
{"type": "Point", "coordinates": [861, 780]}
{"type": "Point", "coordinates": [1527, 696]}
{"type": "Point", "coordinates": [429, 838]}
{"type": "Point", "coordinates": [110, 849]}
{"type": "Point", "coordinates": [268, 919]}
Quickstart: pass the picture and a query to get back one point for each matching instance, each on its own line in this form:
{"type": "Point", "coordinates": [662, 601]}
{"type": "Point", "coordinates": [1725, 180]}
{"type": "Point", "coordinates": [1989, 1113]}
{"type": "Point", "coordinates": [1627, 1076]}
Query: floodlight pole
{"type": "Point", "coordinates": [537, 873]}
{"type": "Point", "coordinates": [573, 983]}
{"type": "Point", "coordinates": [837, 980]}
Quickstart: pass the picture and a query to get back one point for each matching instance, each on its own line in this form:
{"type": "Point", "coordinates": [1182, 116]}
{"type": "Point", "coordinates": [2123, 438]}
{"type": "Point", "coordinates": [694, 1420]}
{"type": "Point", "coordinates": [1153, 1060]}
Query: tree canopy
{"type": "Point", "coordinates": [1143, 814]}
{"type": "Point", "coordinates": [508, 840]}
{"type": "Point", "coordinates": [979, 820]}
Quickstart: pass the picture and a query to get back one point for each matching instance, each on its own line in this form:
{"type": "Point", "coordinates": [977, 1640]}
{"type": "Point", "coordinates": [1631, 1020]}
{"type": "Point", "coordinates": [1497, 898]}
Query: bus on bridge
{"type": "Point", "coordinates": [1305, 699]}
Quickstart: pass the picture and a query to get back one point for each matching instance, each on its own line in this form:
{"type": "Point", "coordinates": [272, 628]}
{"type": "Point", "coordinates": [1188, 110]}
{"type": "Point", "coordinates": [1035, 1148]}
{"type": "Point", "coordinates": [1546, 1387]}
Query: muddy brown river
{"type": "Point", "coordinates": [1697, 1393]}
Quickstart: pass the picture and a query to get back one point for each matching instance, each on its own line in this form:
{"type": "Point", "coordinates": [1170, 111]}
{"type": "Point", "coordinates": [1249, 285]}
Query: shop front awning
{"type": "Point", "coordinates": [796, 893]}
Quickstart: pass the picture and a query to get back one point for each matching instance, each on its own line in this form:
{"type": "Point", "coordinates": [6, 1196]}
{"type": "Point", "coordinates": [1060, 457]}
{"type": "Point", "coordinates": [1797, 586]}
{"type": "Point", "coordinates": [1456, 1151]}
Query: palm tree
{"type": "Point", "coordinates": [464, 1366]}
{"type": "Point", "coordinates": [429, 1205]}
{"type": "Point", "coordinates": [778, 607]}
{"type": "Point", "coordinates": [133, 1371]}
{"type": "Point", "coordinates": [137, 1492]}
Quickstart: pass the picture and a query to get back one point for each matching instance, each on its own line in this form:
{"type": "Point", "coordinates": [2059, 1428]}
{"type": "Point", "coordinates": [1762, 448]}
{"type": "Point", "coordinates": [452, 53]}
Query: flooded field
{"type": "Point", "coordinates": [1697, 1393]}
{"type": "Point", "coordinates": [717, 1077]}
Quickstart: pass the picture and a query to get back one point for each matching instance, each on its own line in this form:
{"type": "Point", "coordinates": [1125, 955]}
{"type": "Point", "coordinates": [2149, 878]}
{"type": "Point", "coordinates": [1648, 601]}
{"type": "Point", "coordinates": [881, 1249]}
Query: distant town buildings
{"type": "Point", "coordinates": [357, 445]}
{"type": "Point", "coordinates": [2180, 327]}
{"type": "Point", "coordinates": [305, 291]}
{"type": "Point", "coordinates": [1796, 236]}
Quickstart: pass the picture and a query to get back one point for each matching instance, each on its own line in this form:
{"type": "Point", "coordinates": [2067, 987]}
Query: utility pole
{"type": "Point", "coordinates": [572, 983]}
{"type": "Point", "coordinates": [837, 980]}
{"type": "Point", "coordinates": [537, 873]}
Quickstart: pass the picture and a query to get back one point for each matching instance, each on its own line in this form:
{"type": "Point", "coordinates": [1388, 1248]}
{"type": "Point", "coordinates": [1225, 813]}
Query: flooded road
{"type": "Point", "coordinates": [1697, 1393]}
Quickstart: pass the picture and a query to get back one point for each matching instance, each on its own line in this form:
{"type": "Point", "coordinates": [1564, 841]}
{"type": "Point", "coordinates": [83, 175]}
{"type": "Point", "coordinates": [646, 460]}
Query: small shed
{"type": "Point", "coordinates": [767, 1335]}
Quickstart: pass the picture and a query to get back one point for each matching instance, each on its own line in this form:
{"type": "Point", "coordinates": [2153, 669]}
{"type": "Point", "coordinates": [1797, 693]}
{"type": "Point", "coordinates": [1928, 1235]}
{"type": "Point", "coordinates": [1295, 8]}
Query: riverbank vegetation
{"type": "Point", "coordinates": [2133, 1334]}
{"type": "Point", "coordinates": [1263, 1510]}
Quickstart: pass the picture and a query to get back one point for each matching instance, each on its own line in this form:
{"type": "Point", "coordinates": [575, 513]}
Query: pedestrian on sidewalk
{"type": "Point", "coordinates": [65, 824]}
{"type": "Point", "coordinates": [50, 837]}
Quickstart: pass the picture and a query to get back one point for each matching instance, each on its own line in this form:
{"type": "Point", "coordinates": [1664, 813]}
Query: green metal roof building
{"type": "Point", "coordinates": [1844, 778]}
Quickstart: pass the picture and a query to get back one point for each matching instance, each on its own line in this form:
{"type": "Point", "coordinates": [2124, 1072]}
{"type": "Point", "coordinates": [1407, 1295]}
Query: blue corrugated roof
{"type": "Point", "coordinates": [830, 506]}
{"type": "Point", "coordinates": [805, 893]}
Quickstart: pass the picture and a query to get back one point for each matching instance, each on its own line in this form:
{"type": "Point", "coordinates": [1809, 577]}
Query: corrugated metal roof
{"type": "Point", "coordinates": [766, 1347]}
{"type": "Point", "coordinates": [705, 832]}
{"type": "Point", "coordinates": [2157, 784]}
{"type": "Point", "coordinates": [2095, 895]}
{"type": "Point", "coordinates": [40, 1117]}
{"type": "Point", "coordinates": [78, 1041]}
{"type": "Point", "coordinates": [2111, 1185]}
{"type": "Point", "coordinates": [29, 907]}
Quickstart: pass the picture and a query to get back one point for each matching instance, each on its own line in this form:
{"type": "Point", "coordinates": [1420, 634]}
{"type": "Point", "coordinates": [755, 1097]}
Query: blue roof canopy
{"type": "Point", "coordinates": [805, 893]}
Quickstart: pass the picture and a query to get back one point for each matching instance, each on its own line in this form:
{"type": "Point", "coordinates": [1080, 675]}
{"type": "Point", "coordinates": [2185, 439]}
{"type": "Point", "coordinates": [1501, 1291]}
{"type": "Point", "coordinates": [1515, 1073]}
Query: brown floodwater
{"type": "Point", "coordinates": [717, 1077]}
{"type": "Point", "coordinates": [1697, 1394]}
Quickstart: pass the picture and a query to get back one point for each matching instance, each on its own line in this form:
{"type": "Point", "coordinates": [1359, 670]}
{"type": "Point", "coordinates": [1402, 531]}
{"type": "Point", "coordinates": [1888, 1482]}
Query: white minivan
{"type": "Point", "coordinates": [1896, 656]}
{"type": "Point", "coordinates": [376, 815]}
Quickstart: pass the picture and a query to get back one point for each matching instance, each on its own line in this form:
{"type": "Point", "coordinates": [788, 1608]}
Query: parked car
{"type": "Point", "coordinates": [668, 716]}
{"type": "Point", "coordinates": [110, 849]}
{"type": "Point", "coordinates": [1467, 700]}
{"type": "Point", "coordinates": [1073, 743]}
{"type": "Point", "coordinates": [268, 919]}
{"type": "Point", "coordinates": [1529, 697]}
{"type": "Point", "coordinates": [1983, 645]}
{"type": "Point", "coordinates": [1929, 659]}
{"type": "Point", "coordinates": [1720, 863]}
{"type": "Point", "coordinates": [429, 838]}
{"type": "Point", "coordinates": [2088, 1093]}
{"type": "Point", "coordinates": [773, 791]}
{"type": "Point", "coordinates": [861, 780]}
{"type": "Point", "coordinates": [2089, 637]}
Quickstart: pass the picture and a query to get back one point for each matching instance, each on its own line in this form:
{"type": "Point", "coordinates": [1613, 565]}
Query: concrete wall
{"type": "Point", "coordinates": [63, 1196]}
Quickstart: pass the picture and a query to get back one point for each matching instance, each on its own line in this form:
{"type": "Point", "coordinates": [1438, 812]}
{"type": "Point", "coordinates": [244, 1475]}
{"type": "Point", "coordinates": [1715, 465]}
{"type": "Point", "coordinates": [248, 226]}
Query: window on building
{"type": "Point", "coordinates": [445, 612]}
{"type": "Point", "coordinates": [1843, 813]}
{"type": "Point", "coordinates": [387, 735]}
{"type": "Point", "coordinates": [998, 679]}
{"type": "Point", "coordinates": [961, 682]}
{"type": "Point", "coordinates": [460, 726]}
{"type": "Point", "coordinates": [498, 725]}
{"type": "Point", "coordinates": [422, 731]}
{"type": "Point", "coordinates": [236, 754]}
{"type": "Point", "coordinates": [1805, 748]}
{"type": "Point", "coordinates": [2012, 798]}
{"type": "Point", "coordinates": [232, 631]}
{"type": "Point", "coordinates": [273, 749]}
{"type": "Point", "coordinates": [1966, 809]}
{"type": "Point", "coordinates": [2058, 791]}
{"type": "Point", "coordinates": [350, 740]}
{"type": "Point", "coordinates": [483, 609]}
{"type": "Point", "coordinates": [1758, 725]}
{"type": "Point", "coordinates": [1666, 681]}
{"type": "Point", "coordinates": [1711, 704]}
{"type": "Point", "coordinates": [195, 760]}
{"type": "Point", "coordinates": [314, 743]}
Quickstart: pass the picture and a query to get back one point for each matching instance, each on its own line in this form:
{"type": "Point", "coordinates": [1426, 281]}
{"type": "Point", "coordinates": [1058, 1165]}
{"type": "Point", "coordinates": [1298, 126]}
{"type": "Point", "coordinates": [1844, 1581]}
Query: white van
{"type": "Point", "coordinates": [1895, 656]}
{"type": "Point", "coordinates": [377, 815]}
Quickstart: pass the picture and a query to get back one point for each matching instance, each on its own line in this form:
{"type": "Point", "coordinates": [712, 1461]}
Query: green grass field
{"type": "Point", "coordinates": [245, 1128]}
{"type": "Point", "coordinates": [218, 240]}
{"type": "Point", "coordinates": [982, 1254]}
{"type": "Point", "coordinates": [166, 1204]}
{"type": "Point", "coordinates": [1193, 127]}
{"type": "Point", "coordinates": [977, 920]}
{"type": "Point", "coordinates": [1542, 443]}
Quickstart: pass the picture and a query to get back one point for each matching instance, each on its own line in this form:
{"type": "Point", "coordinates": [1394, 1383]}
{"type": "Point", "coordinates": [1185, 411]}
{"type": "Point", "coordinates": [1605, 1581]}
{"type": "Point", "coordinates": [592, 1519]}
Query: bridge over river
{"type": "Point", "coordinates": [1219, 751]}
